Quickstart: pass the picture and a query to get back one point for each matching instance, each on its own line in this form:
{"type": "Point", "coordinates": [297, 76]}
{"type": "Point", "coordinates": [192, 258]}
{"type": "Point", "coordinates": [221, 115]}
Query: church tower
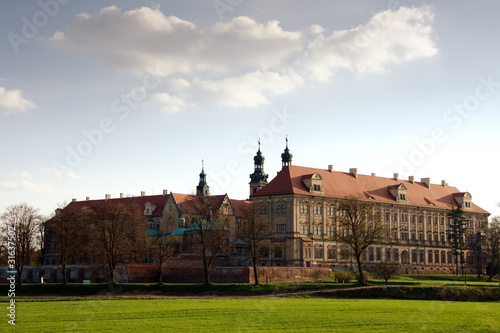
{"type": "Point", "coordinates": [286, 157]}
{"type": "Point", "coordinates": [202, 189]}
{"type": "Point", "coordinates": [258, 179]}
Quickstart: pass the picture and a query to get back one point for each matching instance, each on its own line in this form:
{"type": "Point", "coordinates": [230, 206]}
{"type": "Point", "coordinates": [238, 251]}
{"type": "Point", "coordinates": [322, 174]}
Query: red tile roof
{"type": "Point", "coordinates": [186, 199]}
{"type": "Point", "coordinates": [341, 184]}
{"type": "Point", "coordinates": [241, 207]}
{"type": "Point", "coordinates": [155, 200]}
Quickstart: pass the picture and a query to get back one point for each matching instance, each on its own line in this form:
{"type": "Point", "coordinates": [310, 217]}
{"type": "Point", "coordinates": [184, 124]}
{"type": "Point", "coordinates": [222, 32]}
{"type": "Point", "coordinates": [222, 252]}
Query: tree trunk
{"type": "Point", "coordinates": [207, 274]}
{"type": "Point", "coordinates": [360, 270]}
{"type": "Point", "coordinates": [20, 276]}
{"type": "Point", "coordinates": [206, 268]}
{"type": "Point", "coordinates": [112, 275]}
{"type": "Point", "coordinates": [65, 277]}
{"type": "Point", "coordinates": [160, 279]}
{"type": "Point", "coordinates": [255, 273]}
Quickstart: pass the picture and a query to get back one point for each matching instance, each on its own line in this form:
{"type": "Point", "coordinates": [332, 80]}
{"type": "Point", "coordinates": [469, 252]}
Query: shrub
{"type": "Point", "coordinates": [366, 275]}
{"type": "Point", "coordinates": [343, 277]}
{"type": "Point", "coordinates": [387, 269]}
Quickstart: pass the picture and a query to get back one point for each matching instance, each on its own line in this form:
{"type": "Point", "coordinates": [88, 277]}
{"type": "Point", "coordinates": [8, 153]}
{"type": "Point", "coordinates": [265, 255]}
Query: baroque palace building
{"type": "Point", "coordinates": [301, 203]}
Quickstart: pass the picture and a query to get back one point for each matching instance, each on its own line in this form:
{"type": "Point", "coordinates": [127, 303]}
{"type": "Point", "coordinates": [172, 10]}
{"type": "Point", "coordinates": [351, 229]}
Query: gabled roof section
{"type": "Point", "coordinates": [241, 207]}
{"type": "Point", "coordinates": [400, 186]}
{"type": "Point", "coordinates": [341, 184]}
{"type": "Point", "coordinates": [281, 184]}
{"type": "Point", "coordinates": [312, 176]}
{"type": "Point", "coordinates": [186, 199]}
{"type": "Point", "coordinates": [461, 195]}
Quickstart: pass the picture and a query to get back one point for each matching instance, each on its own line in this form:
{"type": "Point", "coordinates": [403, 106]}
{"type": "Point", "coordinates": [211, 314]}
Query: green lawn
{"type": "Point", "coordinates": [255, 314]}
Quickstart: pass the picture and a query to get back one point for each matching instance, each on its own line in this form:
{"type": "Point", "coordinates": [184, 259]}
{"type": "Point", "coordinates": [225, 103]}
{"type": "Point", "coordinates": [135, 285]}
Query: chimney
{"type": "Point", "coordinates": [330, 168]}
{"type": "Point", "coordinates": [108, 196]}
{"type": "Point", "coordinates": [374, 174]}
{"type": "Point", "coordinates": [411, 179]}
{"type": "Point", "coordinates": [443, 182]}
{"type": "Point", "coordinates": [143, 194]}
{"type": "Point", "coordinates": [73, 200]}
{"type": "Point", "coordinates": [396, 176]}
{"type": "Point", "coordinates": [354, 172]}
{"type": "Point", "coordinates": [121, 195]}
{"type": "Point", "coordinates": [87, 198]}
{"type": "Point", "coordinates": [427, 181]}
{"type": "Point", "coordinates": [165, 193]}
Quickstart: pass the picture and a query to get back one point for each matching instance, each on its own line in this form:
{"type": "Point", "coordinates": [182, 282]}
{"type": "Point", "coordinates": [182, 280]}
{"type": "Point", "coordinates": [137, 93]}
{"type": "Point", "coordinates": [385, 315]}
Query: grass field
{"type": "Point", "coordinates": [255, 315]}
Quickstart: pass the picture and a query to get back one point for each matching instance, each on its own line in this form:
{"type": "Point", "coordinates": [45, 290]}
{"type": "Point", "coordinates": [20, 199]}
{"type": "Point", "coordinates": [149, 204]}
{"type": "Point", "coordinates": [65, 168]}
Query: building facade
{"type": "Point", "coordinates": [303, 206]}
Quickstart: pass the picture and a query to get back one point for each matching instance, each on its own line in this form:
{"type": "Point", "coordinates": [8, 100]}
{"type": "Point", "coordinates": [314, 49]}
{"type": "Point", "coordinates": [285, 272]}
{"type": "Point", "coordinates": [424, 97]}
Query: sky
{"type": "Point", "coordinates": [106, 97]}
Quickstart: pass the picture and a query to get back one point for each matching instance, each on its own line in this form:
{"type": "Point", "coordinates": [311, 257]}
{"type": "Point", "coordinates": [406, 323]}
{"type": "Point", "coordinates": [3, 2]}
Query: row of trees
{"type": "Point", "coordinates": [104, 233]}
{"type": "Point", "coordinates": [111, 233]}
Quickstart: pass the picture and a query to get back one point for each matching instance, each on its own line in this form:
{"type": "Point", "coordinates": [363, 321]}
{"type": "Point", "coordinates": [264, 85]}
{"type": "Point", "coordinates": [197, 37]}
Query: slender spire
{"type": "Point", "coordinates": [286, 157]}
{"type": "Point", "coordinates": [202, 189]}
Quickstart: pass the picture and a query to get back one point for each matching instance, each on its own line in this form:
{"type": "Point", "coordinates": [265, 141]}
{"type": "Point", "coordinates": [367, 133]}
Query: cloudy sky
{"type": "Point", "coordinates": [101, 97]}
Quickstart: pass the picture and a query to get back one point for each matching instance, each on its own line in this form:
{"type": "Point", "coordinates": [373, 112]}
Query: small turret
{"type": "Point", "coordinates": [258, 179]}
{"type": "Point", "coordinates": [286, 157]}
{"type": "Point", "coordinates": [202, 189]}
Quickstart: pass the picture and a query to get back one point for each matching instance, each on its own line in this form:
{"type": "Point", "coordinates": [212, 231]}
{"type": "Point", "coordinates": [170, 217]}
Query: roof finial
{"type": "Point", "coordinates": [202, 165]}
{"type": "Point", "coordinates": [286, 138]}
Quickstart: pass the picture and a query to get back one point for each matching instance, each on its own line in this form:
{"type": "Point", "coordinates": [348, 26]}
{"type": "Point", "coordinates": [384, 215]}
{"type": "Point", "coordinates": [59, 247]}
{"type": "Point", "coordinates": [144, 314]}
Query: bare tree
{"type": "Point", "coordinates": [209, 231]}
{"type": "Point", "coordinates": [161, 250]}
{"type": "Point", "coordinates": [64, 228]}
{"type": "Point", "coordinates": [387, 269]}
{"type": "Point", "coordinates": [360, 227]}
{"type": "Point", "coordinates": [493, 251]}
{"type": "Point", "coordinates": [478, 252]}
{"type": "Point", "coordinates": [20, 224]}
{"type": "Point", "coordinates": [119, 232]}
{"type": "Point", "coordinates": [255, 231]}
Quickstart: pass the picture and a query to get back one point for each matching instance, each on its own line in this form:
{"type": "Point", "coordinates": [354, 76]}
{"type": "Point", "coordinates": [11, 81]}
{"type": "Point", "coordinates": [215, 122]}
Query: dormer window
{"type": "Point", "coordinates": [463, 199]}
{"type": "Point", "coordinates": [399, 192]}
{"type": "Point", "coordinates": [313, 182]}
{"type": "Point", "coordinates": [149, 209]}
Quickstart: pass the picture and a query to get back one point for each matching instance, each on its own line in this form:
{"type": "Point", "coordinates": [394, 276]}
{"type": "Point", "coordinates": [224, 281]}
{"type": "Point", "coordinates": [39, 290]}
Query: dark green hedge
{"type": "Point", "coordinates": [475, 294]}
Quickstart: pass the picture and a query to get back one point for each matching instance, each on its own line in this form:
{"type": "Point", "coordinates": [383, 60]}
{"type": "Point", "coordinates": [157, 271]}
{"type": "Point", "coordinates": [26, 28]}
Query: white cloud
{"type": "Point", "coordinates": [179, 84]}
{"type": "Point", "coordinates": [243, 62]}
{"type": "Point", "coordinates": [171, 103]}
{"type": "Point", "coordinates": [23, 185]}
{"type": "Point", "coordinates": [9, 185]}
{"type": "Point", "coordinates": [145, 40]}
{"type": "Point", "coordinates": [390, 37]}
{"type": "Point", "coordinates": [59, 175]}
{"type": "Point", "coordinates": [12, 101]}
{"type": "Point", "coordinates": [251, 89]}
{"type": "Point", "coordinates": [22, 174]}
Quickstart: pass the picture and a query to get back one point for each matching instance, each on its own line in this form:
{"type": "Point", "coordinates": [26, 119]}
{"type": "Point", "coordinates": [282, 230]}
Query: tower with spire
{"type": "Point", "coordinates": [202, 189]}
{"type": "Point", "coordinates": [258, 179]}
{"type": "Point", "coordinates": [286, 157]}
